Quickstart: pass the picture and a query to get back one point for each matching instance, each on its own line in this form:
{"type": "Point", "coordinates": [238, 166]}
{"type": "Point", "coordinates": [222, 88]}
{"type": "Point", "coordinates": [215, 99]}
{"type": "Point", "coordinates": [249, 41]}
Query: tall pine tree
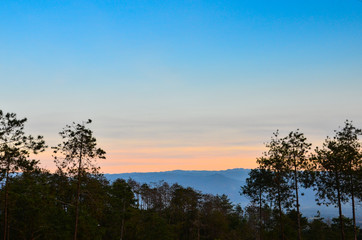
{"type": "Point", "coordinates": [274, 160]}
{"type": "Point", "coordinates": [79, 151]}
{"type": "Point", "coordinates": [296, 147]}
{"type": "Point", "coordinates": [15, 150]}
{"type": "Point", "coordinates": [336, 164]}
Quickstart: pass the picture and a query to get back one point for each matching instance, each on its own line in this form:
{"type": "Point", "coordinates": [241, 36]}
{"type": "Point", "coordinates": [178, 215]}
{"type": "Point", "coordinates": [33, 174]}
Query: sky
{"type": "Point", "coordinates": [192, 85]}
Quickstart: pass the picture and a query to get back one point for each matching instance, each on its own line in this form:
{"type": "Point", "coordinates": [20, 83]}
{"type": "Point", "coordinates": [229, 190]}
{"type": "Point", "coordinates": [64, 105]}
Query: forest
{"type": "Point", "coordinates": [77, 202]}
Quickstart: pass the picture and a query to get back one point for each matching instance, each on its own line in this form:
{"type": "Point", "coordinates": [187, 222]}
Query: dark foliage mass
{"type": "Point", "coordinates": [43, 207]}
{"type": "Point", "coordinates": [334, 171]}
{"type": "Point", "coordinates": [77, 202]}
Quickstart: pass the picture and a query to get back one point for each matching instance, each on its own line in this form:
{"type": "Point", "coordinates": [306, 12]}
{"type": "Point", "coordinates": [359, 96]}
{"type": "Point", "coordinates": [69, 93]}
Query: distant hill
{"type": "Point", "coordinates": [227, 182]}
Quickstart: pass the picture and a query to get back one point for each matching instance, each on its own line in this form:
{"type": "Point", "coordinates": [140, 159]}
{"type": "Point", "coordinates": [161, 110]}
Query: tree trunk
{"type": "Point", "coordinates": [297, 201]}
{"type": "Point", "coordinates": [198, 225]}
{"type": "Point", "coordinates": [77, 207]}
{"type": "Point", "coordinates": [340, 207]}
{"type": "Point", "coordinates": [281, 220]}
{"type": "Point", "coordinates": [280, 213]}
{"type": "Point", "coordinates": [123, 216]}
{"type": "Point", "coordinates": [78, 191]}
{"type": "Point", "coordinates": [260, 215]}
{"type": "Point", "coordinates": [6, 203]}
{"type": "Point", "coordinates": [353, 208]}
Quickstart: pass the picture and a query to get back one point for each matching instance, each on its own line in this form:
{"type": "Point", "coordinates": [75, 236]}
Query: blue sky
{"type": "Point", "coordinates": [166, 81]}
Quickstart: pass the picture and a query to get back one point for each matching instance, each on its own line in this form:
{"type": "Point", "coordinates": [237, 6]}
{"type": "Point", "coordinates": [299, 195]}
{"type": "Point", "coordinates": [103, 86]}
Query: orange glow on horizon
{"type": "Point", "coordinates": [157, 159]}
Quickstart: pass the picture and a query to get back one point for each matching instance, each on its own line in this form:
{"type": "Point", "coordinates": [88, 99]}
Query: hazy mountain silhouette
{"type": "Point", "coordinates": [227, 182]}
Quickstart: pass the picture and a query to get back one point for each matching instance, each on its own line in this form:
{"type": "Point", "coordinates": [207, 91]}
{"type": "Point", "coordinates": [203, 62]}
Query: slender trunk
{"type": "Point", "coordinates": [6, 202]}
{"type": "Point", "coordinates": [78, 191]}
{"type": "Point", "coordinates": [281, 219]}
{"type": "Point", "coordinates": [297, 201]}
{"type": "Point", "coordinates": [352, 197]}
{"type": "Point", "coordinates": [281, 225]}
{"type": "Point", "coordinates": [77, 206]}
{"type": "Point", "coordinates": [340, 207]}
{"type": "Point", "coordinates": [198, 225]}
{"type": "Point", "coordinates": [353, 209]}
{"type": "Point", "coordinates": [123, 216]}
{"type": "Point", "coordinates": [260, 215]}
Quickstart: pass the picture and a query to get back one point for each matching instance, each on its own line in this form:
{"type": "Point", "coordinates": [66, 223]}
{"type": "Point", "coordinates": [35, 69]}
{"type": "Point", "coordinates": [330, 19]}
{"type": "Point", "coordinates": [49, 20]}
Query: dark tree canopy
{"type": "Point", "coordinates": [79, 150]}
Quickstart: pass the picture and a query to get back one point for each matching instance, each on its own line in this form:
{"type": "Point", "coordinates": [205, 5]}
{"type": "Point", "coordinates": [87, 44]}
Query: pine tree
{"type": "Point", "coordinates": [274, 160]}
{"type": "Point", "coordinates": [351, 154]}
{"type": "Point", "coordinates": [298, 164]}
{"type": "Point", "coordinates": [336, 163]}
{"type": "Point", "coordinates": [79, 152]}
{"type": "Point", "coordinates": [15, 150]}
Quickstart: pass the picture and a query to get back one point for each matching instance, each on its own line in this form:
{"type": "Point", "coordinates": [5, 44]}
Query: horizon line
{"type": "Point", "coordinates": [182, 171]}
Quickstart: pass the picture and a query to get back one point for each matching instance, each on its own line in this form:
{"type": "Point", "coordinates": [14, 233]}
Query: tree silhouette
{"type": "Point", "coordinates": [274, 160]}
{"type": "Point", "coordinates": [335, 163]}
{"type": "Point", "coordinates": [79, 152]}
{"type": "Point", "coordinates": [15, 150]}
{"type": "Point", "coordinates": [351, 153]}
{"type": "Point", "coordinates": [296, 148]}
